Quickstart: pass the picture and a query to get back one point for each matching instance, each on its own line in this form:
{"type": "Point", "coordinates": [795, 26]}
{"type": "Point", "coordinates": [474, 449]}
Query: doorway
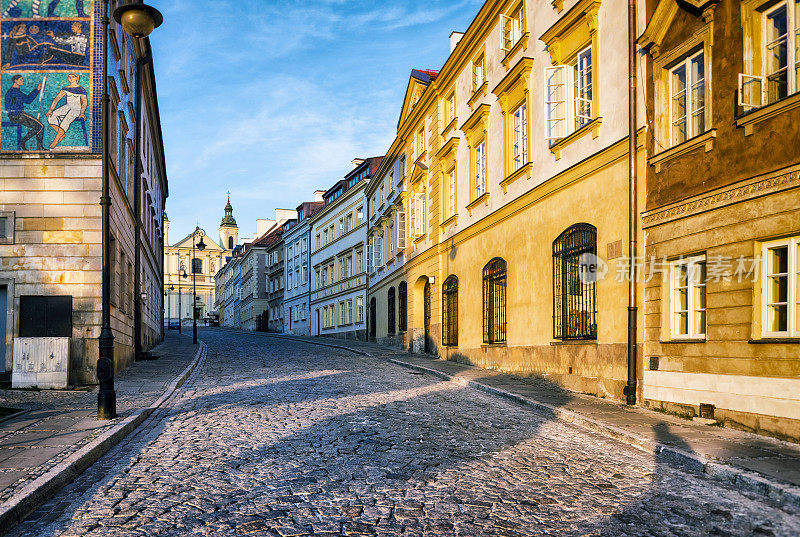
{"type": "Point", "coordinates": [373, 312]}
{"type": "Point", "coordinates": [3, 323]}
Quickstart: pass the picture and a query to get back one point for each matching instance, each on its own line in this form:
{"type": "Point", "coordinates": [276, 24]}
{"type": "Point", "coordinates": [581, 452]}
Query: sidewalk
{"type": "Point", "coordinates": [748, 461]}
{"type": "Point", "coordinates": [58, 423]}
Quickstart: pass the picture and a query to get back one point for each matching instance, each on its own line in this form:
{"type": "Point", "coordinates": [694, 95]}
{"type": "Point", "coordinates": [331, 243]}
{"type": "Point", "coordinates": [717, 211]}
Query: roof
{"type": "Point", "coordinates": [424, 75]}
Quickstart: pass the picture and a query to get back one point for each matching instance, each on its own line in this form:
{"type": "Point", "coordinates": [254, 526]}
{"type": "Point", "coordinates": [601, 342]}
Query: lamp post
{"type": "Point", "coordinates": [200, 246]}
{"type": "Point", "coordinates": [168, 296]}
{"type": "Point", "coordinates": [138, 20]}
{"type": "Point", "coordinates": [183, 275]}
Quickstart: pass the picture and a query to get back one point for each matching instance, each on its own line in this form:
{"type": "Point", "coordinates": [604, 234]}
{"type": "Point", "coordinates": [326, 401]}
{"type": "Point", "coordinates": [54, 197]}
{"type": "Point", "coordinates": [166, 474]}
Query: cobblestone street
{"type": "Point", "coordinates": [276, 437]}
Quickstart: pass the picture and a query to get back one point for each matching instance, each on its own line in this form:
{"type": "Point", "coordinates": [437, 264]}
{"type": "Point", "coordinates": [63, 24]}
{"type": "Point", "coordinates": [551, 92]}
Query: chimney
{"type": "Point", "coordinates": [318, 195]}
{"type": "Point", "coordinates": [357, 162]}
{"type": "Point", "coordinates": [455, 37]}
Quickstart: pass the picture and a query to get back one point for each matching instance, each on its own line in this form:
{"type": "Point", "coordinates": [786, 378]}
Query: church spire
{"type": "Point", "coordinates": [228, 219]}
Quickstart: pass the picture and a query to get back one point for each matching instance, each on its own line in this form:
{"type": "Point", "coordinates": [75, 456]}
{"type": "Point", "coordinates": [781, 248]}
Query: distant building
{"type": "Point", "coordinates": [204, 265]}
{"type": "Point", "coordinates": [338, 231]}
{"type": "Point", "coordinates": [297, 241]}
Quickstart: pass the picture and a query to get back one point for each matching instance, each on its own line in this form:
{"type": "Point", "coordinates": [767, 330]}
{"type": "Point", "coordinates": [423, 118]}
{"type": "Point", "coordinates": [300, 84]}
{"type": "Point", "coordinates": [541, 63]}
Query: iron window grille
{"type": "Point", "coordinates": [574, 292]}
{"type": "Point", "coordinates": [402, 294]}
{"type": "Point", "coordinates": [494, 301]}
{"type": "Point", "coordinates": [450, 312]}
{"type": "Point", "coordinates": [390, 311]}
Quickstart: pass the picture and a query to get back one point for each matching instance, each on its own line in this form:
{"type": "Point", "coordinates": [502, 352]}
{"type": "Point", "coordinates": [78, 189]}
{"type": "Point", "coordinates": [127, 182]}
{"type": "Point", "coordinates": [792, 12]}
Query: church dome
{"type": "Point", "coordinates": [228, 220]}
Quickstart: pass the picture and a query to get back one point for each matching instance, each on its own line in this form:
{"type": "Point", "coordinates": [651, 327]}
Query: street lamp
{"type": "Point", "coordinates": [139, 19]}
{"type": "Point", "coordinates": [168, 296]}
{"type": "Point", "coordinates": [200, 246]}
{"type": "Point", "coordinates": [183, 275]}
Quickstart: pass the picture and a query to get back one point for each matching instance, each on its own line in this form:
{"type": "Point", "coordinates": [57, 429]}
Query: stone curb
{"type": "Point", "coordinates": [281, 336]}
{"type": "Point", "coordinates": [745, 480]}
{"type": "Point", "coordinates": [20, 505]}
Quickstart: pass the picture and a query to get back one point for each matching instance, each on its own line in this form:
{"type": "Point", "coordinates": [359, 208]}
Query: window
{"type": "Point", "coordinates": [450, 312]}
{"type": "Point", "coordinates": [402, 296]}
{"type": "Point", "coordinates": [123, 283]}
{"type": "Point", "coordinates": [478, 72]}
{"type": "Point", "coordinates": [451, 194]}
{"type": "Point", "coordinates": [513, 27]}
{"type": "Point", "coordinates": [341, 227]}
{"type": "Point", "coordinates": [480, 170]}
{"type": "Point", "coordinates": [568, 95]}
{"type": "Point", "coordinates": [780, 297]}
{"type": "Point", "coordinates": [418, 215]}
{"type": "Point", "coordinates": [687, 99]}
{"type": "Point", "coordinates": [574, 264]}
{"type": "Point", "coordinates": [7, 227]}
{"type": "Point", "coordinates": [390, 242]}
{"type": "Point", "coordinates": [348, 223]}
{"type": "Point", "coordinates": [382, 197]}
{"type": "Point", "coordinates": [450, 109]}
{"type": "Point", "coordinates": [359, 216]}
{"type": "Point", "coordinates": [420, 141]}
{"type": "Point", "coordinates": [688, 301]}
{"type": "Point", "coordinates": [360, 309]}
{"type": "Point", "coordinates": [390, 312]}
{"type": "Point", "coordinates": [494, 301]}
{"type": "Point", "coordinates": [402, 167]}
{"type": "Point", "coordinates": [360, 261]}
{"type": "Point", "coordinates": [401, 228]}
{"type": "Point", "coordinates": [520, 142]}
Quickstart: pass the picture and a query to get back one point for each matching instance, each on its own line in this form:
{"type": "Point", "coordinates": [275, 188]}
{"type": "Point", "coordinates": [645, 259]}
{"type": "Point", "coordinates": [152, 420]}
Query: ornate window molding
{"type": "Point", "coordinates": [512, 92]}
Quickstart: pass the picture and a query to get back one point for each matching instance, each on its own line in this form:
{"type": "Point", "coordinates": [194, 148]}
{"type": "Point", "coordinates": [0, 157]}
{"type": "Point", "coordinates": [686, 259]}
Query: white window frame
{"type": "Point", "coordinates": [418, 215]}
{"type": "Point", "coordinates": [563, 87]}
{"type": "Point", "coordinates": [401, 229]}
{"type": "Point", "coordinates": [451, 192]}
{"type": "Point", "coordinates": [480, 169]}
{"type": "Point", "coordinates": [360, 308]}
{"type": "Point", "coordinates": [519, 147]}
{"type": "Point", "coordinates": [478, 72]}
{"type": "Point", "coordinates": [693, 287]}
{"type": "Point", "coordinates": [792, 274]}
{"type": "Point", "coordinates": [690, 112]}
{"type": "Point", "coordinates": [512, 28]}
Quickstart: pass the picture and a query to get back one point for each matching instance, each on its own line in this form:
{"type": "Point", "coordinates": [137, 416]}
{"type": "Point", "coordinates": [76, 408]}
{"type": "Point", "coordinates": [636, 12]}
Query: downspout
{"type": "Point", "coordinates": [366, 272]}
{"type": "Point", "coordinates": [630, 387]}
{"type": "Point", "coordinates": [137, 209]}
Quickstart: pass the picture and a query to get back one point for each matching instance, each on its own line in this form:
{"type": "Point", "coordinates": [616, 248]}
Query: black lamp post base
{"type": "Point", "coordinates": [107, 405]}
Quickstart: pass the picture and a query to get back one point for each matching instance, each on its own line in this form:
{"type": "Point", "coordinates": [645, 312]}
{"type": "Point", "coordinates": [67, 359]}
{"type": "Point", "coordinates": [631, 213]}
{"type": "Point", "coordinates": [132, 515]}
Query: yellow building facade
{"type": "Point", "coordinates": [512, 209]}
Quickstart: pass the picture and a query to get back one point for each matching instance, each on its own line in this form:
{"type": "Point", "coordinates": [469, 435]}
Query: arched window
{"type": "Point", "coordinates": [494, 301]}
{"type": "Point", "coordinates": [197, 265]}
{"type": "Point", "coordinates": [230, 243]}
{"type": "Point", "coordinates": [450, 312]}
{"type": "Point", "coordinates": [402, 292]}
{"type": "Point", "coordinates": [574, 275]}
{"type": "Point", "coordinates": [390, 312]}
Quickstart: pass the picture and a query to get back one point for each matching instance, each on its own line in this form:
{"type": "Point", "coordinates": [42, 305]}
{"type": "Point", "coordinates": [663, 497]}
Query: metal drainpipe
{"type": "Point", "coordinates": [630, 387]}
{"type": "Point", "coordinates": [366, 272]}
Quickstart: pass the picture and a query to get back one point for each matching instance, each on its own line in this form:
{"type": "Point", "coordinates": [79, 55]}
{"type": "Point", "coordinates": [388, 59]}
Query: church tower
{"type": "Point", "coordinates": [228, 230]}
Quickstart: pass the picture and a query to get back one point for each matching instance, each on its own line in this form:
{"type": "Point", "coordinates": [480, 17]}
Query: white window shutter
{"type": "Point", "coordinates": [751, 90]}
{"type": "Point", "coordinates": [507, 40]}
{"type": "Point", "coordinates": [557, 90]}
{"type": "Point", "coordinates": [401, 229]}
{"type": "Point", "coordinates": [369, 255]}
{"type": "Point", "coordinates": [412, 229]}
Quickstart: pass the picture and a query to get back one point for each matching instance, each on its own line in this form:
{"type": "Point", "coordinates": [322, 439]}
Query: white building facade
{"type": "Point", "coordinates": [297, 264]}
{"type": "Point", "coordinates": [338, 257]}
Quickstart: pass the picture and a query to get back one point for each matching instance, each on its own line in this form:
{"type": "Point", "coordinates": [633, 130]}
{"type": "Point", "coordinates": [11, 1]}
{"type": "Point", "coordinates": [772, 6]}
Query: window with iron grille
{"type": "Point", "coordinates": [494, 301]}
{"type": "Point", "coordinates": [402, 293]}
{"type": "Point", "coordinates": [574, 308]}
{"type": "Point", "coordinates": [390, 311]}
{"type": "Point", "coordinates": [450, 312]}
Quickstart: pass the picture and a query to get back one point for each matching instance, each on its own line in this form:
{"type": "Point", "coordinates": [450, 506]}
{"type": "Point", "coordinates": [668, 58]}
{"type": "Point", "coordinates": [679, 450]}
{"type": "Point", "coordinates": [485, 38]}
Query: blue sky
{"type": "Point", "coordinates": [271, 100]}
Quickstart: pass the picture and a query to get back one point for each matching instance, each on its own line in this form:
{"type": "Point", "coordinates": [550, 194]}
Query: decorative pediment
{"type": "Point", "coordinates": [186, 242]}
{"type": "Point", "coordinates": [414, 93]}
{"type": "Point", "coordinates": [572, 31]}
{"type": "Point", "coordinates": [662, 18]}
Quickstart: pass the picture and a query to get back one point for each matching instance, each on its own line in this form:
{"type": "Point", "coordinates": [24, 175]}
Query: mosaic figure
{"type": "Point", "coordinates": [26, 48]}
{"type": "Point", "coordinates": [15, 101]}
{"type": "Point", "coordinates": [74, 108]}
{"type": "Point", "coordinates": [15, 10]}
{"type": "Point", "coordinates": [77, 42]}
{"type": "Point", "coordinates": [51, 9]}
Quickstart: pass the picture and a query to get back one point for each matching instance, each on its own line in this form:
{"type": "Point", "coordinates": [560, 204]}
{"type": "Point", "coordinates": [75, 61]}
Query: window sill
{"type": "Point", "coordinates": [418, 239]}
{"type": "Point", "coordinates": [521, 44]}
{"type": "Point", "coordinates": [492, 345]}
{"type": "Point", "coordinates": [479, 92]}
{"type": "Point", "coordinates": [420, 158]}
{"type": "Point", "coordinates": [684, 340]}
{"type": "Point", "coordinates": [574, 342]}
{"type": "Point", "coordinates": [706, 139]}
{"type": "Point", "coordinates": [753, 117]}
{"type": "Point", "coordinates": [451, 220]}
{"type": "Point", "coordinates": [593, 126]}
{"type": "Point", "coordinates": [482, 199]}
{"type": "Point", "coordinates": [775, 340]}
{"type": "Point", "coordinates": [523, 171]}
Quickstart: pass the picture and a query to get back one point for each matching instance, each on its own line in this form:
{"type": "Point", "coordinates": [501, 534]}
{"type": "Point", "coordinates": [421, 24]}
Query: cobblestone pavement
{"type": "Point", "coordinates": [60, 422]}
{"type": "Point", "coordinates": [275, 437]}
